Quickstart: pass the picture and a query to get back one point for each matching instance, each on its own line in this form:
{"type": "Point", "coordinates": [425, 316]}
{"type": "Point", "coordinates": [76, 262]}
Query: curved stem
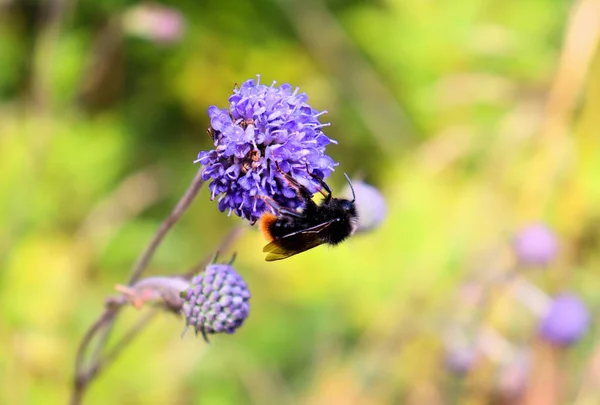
{"type": "Point", "coordinates": [166, 226]}
{"type": "Point", "coordinates": [120, 345]}
{"type": "Point", "coordinates": [84, 375]}
{"type": "Point", "coordinates": [174, 284]}
{"type": "Point", "coordinates": [80, 357]}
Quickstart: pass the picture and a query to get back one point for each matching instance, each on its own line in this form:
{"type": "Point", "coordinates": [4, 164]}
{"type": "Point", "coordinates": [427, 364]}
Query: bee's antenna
{"type": "Point", "coordinates": [351, 188]}
{"type": "Point", "coordinates": [216, 257]}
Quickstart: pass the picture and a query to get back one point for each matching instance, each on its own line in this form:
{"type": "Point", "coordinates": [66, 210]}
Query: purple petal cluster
{"type": "Point", "coordinates": [535, 245]}
{"type": "Point", "coordinates": [566, 321]}
{"type": "Point", "coordinates": [216, 301]}
{"type": "Point", "coordinates": [264, 126]}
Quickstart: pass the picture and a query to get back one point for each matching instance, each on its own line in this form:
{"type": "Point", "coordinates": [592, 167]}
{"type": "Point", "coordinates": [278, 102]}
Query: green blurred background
{"type": "Point", "coordinates": [472, 117]}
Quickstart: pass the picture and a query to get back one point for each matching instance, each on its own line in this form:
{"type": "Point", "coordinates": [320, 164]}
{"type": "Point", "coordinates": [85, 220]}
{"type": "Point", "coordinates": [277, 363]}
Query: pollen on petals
{"type": "Point", "coordinates": [263, 127]}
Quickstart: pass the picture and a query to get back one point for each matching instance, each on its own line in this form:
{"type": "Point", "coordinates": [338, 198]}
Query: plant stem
{"type": "Point", "coordinates": [104, 324]}
{"type": "Point", "coordinates": [166, 226]}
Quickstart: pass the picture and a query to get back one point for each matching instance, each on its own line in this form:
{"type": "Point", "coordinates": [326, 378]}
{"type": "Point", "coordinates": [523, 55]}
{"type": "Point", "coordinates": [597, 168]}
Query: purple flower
{"type": "Point", "coordinates": [370, 205]}
{"type": "Point", "coordinates": [566, 321]}
{"type": "Point", "coordinates": [264, 125]}
{"type": "Point", "coordinates": [535, 245]}
{"type": "Point", "coordinates": [216, 301]}
{"type": "Point", "coordinates": [460, 360]}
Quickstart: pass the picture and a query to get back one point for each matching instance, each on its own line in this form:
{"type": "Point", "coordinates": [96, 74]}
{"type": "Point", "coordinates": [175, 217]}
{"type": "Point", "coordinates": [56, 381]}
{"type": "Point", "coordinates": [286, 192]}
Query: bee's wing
{"type": "Point", "coordinates": [296, 242]}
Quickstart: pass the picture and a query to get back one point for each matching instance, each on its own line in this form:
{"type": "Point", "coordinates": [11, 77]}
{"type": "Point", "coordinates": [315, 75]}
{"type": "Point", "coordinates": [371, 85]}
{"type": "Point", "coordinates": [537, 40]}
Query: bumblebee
{"type": "Point", "coordinates": [290, 232]}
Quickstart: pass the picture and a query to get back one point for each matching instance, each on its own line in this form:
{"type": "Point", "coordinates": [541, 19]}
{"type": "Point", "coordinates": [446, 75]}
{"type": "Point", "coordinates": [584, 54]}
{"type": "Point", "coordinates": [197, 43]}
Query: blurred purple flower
{"type": "Point", "coordinates": [460, 360]}
{"type": "Point", "coordinates": [216, 301]}
{"type": "Point", "coordinates": [566, 321]}
{"type": "Point", "coordinates": [370, 204]}
{"type": "Point", "coordinates": [155, 23]}
{"type": "Point", "coordinates": [263, 126]}
{"type": "Point", "coordinates": [535, 245]}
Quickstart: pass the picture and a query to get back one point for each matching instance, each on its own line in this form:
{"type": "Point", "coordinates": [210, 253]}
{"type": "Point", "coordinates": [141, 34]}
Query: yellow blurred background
{"type": "Point", "coordinates": [474, 118]}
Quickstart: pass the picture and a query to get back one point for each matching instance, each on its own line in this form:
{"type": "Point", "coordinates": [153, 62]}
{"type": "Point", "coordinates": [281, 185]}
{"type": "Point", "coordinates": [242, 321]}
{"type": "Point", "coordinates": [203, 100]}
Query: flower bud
{"type": "Point", "coordinates": [216, 301]}
{"type": "Point", "coordinates": [535, 245]}
{"type": "Point", "coordinates": [566, 320]}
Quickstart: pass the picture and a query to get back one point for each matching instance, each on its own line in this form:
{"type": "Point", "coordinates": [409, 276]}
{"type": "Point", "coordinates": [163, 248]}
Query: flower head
{"type": "Point", "coordinates": [216, 301]}
{"type": "Point", "coordinates": [566, 321]}
{"type": "Point", "coordinates": [370, 205]}
{"type": "Point", "coordinates": [460, 360]}
{"type": "Point", "coordinates": [535, 245]}
{"type": "Point", "coordinates": [264, 126]}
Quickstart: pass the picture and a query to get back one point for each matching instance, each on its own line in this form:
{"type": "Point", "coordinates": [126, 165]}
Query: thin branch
{"type": "Point", "coordinates": [104, 333]}
{"type": "Point", "coordinates": [118, 347]}
{"type": "Point", "coordinates": [148, 253]}
{"type": "Point", "coordinates": [106, 320]}
{"type": "Point", "coordinates": [80, 357]}
{"type": "Point", "coordinates": [81, 380]}
{"type": "Point", "coordinates": [167, 224]}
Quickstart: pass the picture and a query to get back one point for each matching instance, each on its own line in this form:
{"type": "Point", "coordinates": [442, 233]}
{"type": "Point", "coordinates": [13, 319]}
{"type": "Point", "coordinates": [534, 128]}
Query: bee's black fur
{"type": "Point", "coordinates": [330, 222]}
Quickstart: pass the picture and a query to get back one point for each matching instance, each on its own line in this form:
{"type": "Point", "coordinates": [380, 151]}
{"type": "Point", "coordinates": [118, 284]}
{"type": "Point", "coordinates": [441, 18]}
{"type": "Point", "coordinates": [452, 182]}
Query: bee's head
{"type": "Point", "coordinates": [348, 206]}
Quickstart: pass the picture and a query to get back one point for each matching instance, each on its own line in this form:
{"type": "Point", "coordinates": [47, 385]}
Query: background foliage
{"type": "Point", "coordinates": [473, 117]}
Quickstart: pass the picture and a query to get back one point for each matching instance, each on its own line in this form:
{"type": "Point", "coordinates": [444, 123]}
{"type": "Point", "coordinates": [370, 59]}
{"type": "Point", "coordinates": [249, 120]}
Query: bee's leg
{"type": "Point", "coordinates": [321, 182]}
{"type": "Point", "coordinates": [300, 190]}
{"type": "Point", "coordinates": [278, 208]}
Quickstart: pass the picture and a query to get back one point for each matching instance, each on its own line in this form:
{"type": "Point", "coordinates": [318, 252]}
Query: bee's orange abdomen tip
{"type": "Point", "coordinates": [264, 223]}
